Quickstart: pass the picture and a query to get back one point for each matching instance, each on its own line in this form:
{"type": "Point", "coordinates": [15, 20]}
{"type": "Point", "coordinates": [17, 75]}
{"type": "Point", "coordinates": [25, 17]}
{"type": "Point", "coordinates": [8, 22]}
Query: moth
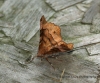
{"type": "Point", "coordinates": [51, 41]}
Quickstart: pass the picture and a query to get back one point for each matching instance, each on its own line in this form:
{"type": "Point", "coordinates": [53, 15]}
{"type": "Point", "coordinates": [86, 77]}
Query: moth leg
{"type": "Point", "coordinates": [50, 63]}
{"type": "Point", "coordinates": [30, 59]}
{"type": "Point", "coordinates": [41, 59]}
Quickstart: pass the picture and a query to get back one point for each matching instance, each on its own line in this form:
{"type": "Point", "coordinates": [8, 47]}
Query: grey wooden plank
{"type": "Point", "coordinates": [67, 16]}
{"type": "Point", "coordinates": [11, 8]}
{"type": "Point", "coordinates": [85, 40]}
{"type": "Point", "coordinates": [24, 46]}
{"type": "Point", "coordinates": [12, 71]}
{"type": "Point", "coordinates": [95, 28]}
{"type": "Point", "coordinates": [10, 49]}
{"type": "Point", "coordinates": [61, 4]}
{"type": "Point", "coordinates": [25, 14]}
{"type": "Point", "coordinates": [91, 12]}
{"type": "Point", "coordinates": [6, 24]}
{"type": "Point", "coordinates": [75, 30]}
{"type": "Point", "coordinates": [94, 49]}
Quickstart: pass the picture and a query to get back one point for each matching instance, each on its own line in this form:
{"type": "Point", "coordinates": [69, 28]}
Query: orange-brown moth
{"type": "Point", "coordinates": [50, 40]}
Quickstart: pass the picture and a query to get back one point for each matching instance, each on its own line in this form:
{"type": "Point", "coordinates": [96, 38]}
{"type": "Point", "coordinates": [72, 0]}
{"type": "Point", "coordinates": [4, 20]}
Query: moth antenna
{"type": "Point", "coordinates": [50, 63]}
{"type": "Point", "coordinates": [77, 48]}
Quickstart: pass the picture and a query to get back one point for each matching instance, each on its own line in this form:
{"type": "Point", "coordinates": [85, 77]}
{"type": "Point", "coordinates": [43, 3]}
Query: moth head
{"type": "Point", "coordinates": [43, 20]}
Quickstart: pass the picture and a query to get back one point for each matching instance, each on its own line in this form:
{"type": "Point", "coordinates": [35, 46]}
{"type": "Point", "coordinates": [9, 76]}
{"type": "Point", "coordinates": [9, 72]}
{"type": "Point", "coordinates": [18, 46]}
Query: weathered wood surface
{"type": "Point", "coordinates": [67, 16]}
{"type": "Point", "coordinates": [25, 15]}
{"type": "Point", "coordinates": [92, 11]}
{"type": "Point", "coordinates": [20, 20]}
{"type": "Point", "coordinates": [58, 5]}
{"type": "Point", "coordinates": [94, 49]}
{"type": "Point", "coordinates": [12, 71]}
{"type": "Point", "coordinates": [96, 24]}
